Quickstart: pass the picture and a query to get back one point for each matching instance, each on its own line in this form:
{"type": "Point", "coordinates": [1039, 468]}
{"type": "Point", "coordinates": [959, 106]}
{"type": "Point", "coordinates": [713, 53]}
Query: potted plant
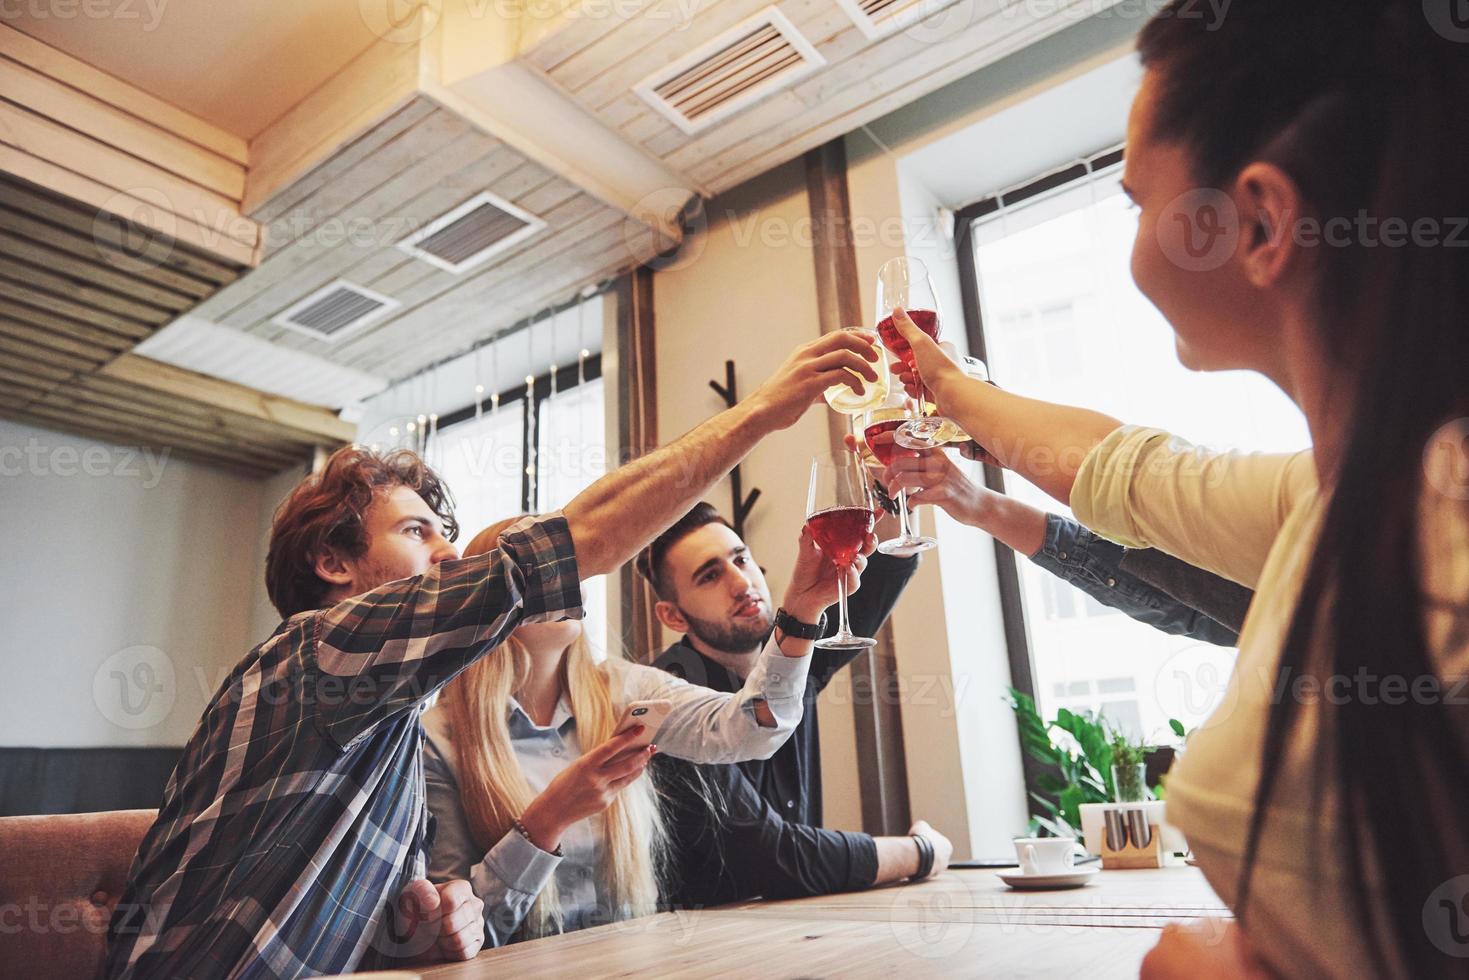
{"type": "Point", "coordinates": [1078, 768]}
{"type": "Point", "coordinates": [1129, 769]}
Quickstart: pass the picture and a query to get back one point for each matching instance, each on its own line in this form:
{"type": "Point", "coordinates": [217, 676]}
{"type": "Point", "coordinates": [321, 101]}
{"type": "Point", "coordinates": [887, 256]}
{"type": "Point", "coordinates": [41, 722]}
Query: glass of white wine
{"type": "Point", "coordinates": [843, 399]}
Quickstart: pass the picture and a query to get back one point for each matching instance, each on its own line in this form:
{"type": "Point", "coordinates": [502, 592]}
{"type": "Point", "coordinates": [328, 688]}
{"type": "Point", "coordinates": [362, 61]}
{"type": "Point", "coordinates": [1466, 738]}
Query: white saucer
{"type": "Point", "coordinates": [1070, 879]}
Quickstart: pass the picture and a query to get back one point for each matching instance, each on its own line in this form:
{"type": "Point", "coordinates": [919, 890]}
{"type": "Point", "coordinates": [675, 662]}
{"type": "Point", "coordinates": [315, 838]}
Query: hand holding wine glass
{"type": "Point", "coordinates": [923, 365]}
{"type": "Point", "coordinates": [840, 518]}
{"type": "Point", "coordinates": [845, 357]}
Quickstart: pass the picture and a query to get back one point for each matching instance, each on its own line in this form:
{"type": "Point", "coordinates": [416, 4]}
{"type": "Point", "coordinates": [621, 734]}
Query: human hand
{"type": "Point", "coordinates": [1208, 949]}
{"type": "Point", "coordinates": [943, 849]}
{"type": "Point", "coordinates": [936, 367]}
{"type": "Point", "coordinates": [586, 787]}
{"type": "Point", "coordinates": [446, 920]}
{"type": "Point", "coordinates": [813, 585]}
{"type": "Point", "coordinates": [839, 357]}
{"type": "Point", "coordinates": [930, 477]}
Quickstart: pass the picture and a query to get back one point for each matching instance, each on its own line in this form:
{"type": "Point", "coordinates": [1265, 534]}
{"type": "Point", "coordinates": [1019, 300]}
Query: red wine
{"type": "Point", "coordinates": [925, 320]}
{"type": "Point", "coordinates": [884, 449]}
{"type": "Point", "coordinates": [840, 531]}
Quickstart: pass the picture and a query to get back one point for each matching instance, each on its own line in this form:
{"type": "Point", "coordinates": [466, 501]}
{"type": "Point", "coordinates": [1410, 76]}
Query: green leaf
{"type": "Point", "coordinates": [1177, 727]}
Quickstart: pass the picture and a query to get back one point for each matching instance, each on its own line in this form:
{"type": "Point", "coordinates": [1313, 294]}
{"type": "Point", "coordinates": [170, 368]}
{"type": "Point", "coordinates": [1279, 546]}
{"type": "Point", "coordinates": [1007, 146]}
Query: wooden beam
{"type": "Point", "coordinates": [43, 301]}
{"type": "Point", "coordinates": [286, 412]}
{"type": "Point", "coordinates": [67, 183]}
{"type": "Point", "coordinates": [164, 251]}
{"type": "Point", "coordinates": [239, 426]}
{"type": "Point", "coordinates": [78, 290]}
{"type": "Point", "coordinates": [60, 341]}
{"type": "Point", "coordinates": [69, 401]}
{"type": "Point", "coordinates": [60, 422]}
{"type": "Point", "coordinates": [91, 248]}
{"type": "Point", "coordinates": [81, 111]}
{"type": "Point", "coordinates": [43, 58]}
{"type": "Point", "coordinates": [92, 271]}
{"type": "Point", "coordinates": [878, 723]}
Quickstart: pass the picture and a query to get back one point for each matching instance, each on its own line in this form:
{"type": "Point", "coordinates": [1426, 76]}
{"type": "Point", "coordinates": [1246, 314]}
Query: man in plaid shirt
{"type": "Point", "coordinates": [292, 835]}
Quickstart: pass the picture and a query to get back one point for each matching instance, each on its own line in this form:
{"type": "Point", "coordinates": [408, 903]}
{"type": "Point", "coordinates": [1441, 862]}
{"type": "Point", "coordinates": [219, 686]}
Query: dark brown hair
{"type": "Point", "coordinates": [1362, 105]}
{"type": "Point", "coordinates": [651, 562]}
{"type": "Point", "coordinates": [325, 511]}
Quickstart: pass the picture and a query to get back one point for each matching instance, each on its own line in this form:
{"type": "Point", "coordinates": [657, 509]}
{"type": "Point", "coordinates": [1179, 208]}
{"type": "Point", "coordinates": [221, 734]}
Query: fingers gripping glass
{"type": "Point", "coordinates": [879, 429]}
{"type": "Point", "coordinates": [839, 515]}
{"type": "Point", "coordinates": [905, 282]}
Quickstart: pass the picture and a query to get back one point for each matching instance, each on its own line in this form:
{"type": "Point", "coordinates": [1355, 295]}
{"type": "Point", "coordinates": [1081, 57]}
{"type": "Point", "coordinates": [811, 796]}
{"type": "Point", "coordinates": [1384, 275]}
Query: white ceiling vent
{"type": "Point", "coordinates": [878, 18]}
{"type": "Point", "coordinates": [733, 71]}
{"type": "Point", "coordinates": [336, 310]}
{"type": "Point", "coordinates": [468, 235]}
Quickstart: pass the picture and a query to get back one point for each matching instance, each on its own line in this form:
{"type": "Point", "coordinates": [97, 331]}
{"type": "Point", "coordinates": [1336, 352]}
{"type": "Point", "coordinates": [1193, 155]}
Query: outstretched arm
{"type": "Point", "coordinates": [1059, 545]}
{"type": "Point", "coordinates": [1042, 441]}
{"type": "Point", "coordinates": [618, 515]}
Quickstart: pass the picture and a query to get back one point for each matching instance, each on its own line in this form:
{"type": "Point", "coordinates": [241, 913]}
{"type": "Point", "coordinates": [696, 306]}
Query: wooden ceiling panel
{"type": "Point", "coordinates": [77, 293]}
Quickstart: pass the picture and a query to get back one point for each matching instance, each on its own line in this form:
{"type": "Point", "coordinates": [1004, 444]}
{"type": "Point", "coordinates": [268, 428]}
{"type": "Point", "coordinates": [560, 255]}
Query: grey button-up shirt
{"type": "Point", "coordinates": [704, 726]}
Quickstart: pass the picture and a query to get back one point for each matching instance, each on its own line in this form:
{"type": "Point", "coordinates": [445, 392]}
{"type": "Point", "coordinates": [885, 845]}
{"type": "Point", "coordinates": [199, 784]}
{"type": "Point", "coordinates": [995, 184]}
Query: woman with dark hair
{"type": "Point", "coordinates": [1300, 174]}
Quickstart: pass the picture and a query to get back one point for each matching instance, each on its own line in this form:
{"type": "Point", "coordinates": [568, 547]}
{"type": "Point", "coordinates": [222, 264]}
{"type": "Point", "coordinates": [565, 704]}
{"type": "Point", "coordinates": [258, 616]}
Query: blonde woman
{"type": "Point", "coordinates": [551, 817]}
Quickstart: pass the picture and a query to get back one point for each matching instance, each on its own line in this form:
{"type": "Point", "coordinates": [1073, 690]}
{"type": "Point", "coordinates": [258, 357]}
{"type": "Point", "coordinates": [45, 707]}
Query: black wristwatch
{"type": "Point", "coordinates": [791, 626]}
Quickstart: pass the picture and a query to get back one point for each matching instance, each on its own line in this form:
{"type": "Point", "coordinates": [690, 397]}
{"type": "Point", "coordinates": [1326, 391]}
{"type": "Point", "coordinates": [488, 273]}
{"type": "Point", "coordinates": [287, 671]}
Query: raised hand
{"type": "Point", "coordinates": [839, 357]}
{"type": "Point", "coordinates": [813, 585]}
{"type": "Point", "coordinates": [930, 477]}
{"type": "Point", "coordinates": [935, 366]}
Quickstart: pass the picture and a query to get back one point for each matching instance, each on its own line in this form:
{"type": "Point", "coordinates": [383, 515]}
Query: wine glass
{"type": "Point", "coordinates": [905, 282]}
{"type": "Point", "coordinates": [879, 427]}
{"type": "Point", "coordinates": [843, 399]}
{"type": "Point", "coordinates": [839, 515]}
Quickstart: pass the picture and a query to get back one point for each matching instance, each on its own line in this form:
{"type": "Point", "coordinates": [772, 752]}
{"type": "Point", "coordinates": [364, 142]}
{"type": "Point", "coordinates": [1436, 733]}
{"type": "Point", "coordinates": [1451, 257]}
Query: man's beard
{"type": "Point", "coordinates": [731, 637]}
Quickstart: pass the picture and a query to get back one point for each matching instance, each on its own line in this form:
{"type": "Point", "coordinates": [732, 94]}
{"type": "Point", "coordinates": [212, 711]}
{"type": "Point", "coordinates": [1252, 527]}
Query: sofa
{"type": "Point", "coordinates": [60, 877]}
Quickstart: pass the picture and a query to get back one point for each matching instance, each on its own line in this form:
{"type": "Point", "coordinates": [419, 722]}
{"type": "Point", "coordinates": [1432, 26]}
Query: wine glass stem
{"type": "Point", "coordinates": [842, 628]}
{"type": "Point", "coordinates": [904, 531]}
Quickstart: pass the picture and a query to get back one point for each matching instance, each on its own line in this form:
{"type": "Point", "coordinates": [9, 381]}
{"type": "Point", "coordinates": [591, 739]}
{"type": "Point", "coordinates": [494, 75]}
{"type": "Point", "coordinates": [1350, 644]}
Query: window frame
{"type": "Point", "coordinates": [540, 390]}
{"type": "Point", "coordinates": [1012, 607]}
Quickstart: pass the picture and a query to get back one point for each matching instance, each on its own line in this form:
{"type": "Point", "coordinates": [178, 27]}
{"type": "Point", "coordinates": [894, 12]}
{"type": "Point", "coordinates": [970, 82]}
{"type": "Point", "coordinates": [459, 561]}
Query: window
{"type": "Point", "coordinates": [1064, 322]}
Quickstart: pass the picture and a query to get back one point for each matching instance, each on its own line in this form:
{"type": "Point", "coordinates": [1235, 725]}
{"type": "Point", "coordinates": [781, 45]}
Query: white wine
{"type": "Point", "coordinates": [843, 399]}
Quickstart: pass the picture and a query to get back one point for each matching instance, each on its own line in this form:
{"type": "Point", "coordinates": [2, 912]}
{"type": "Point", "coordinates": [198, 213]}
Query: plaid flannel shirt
{"type": "Point", "coordinates": [297, 814]}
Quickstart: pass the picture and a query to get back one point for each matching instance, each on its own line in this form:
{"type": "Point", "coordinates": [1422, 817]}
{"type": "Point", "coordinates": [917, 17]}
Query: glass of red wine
{"type": "Point", "coordinates": [905, 282]}
{"type": "Point", "coordinates": [840, 515]}
{"type": "Point", "coordinates": [879, 429]}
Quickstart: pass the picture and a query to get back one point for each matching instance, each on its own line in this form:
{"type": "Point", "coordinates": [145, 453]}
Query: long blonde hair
{"type": "Point", "coordinates": [493, 788]}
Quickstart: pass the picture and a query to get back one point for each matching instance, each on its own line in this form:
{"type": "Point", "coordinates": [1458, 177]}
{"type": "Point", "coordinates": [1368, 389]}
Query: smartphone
{"type": "Point", "coordinates": [649, 714]}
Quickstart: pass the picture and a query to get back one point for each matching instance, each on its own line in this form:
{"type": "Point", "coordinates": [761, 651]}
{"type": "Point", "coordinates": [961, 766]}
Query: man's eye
{"type": "Point", "coordinates": [415, 529]}
{"type": "Point", "coordinates": [742, 561]}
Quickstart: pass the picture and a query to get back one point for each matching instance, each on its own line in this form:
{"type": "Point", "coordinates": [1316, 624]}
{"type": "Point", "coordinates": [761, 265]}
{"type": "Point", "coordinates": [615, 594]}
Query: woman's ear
{"type": "Point", "coordinates": [1270, 216]}
{"type": "Point", "coordinates": [669, 615]}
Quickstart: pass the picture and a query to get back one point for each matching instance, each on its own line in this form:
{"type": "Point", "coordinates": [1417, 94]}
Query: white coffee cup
{"type": "Point", "coordinates": [1046, 855]}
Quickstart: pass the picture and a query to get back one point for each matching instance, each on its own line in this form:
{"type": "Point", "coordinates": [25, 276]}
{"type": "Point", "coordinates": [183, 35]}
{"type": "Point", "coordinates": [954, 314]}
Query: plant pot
{"type": "Point", "coordinates": [1130, 783]}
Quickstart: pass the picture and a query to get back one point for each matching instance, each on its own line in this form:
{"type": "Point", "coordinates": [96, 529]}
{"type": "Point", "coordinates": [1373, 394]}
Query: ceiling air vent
{"type": "Point", "coordinates": [878, 18]}
{"type": "Point", "coordinates": [336, 310]}
{"type": "Point", "coordinates": [468, 235]}
{"type": "Point", "coordinates": [733, 71]}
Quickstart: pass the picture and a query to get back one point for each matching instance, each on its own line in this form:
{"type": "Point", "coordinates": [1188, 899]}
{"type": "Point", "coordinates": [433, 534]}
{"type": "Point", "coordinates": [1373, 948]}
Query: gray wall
{"type": "Point", "coordinates": [130, 585]}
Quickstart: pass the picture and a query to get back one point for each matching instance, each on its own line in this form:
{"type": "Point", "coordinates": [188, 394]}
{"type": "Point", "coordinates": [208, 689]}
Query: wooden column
{"type": "Point", "coordinates": [883, 772]}
{"type": "Point", "coordinates": [637, 429]}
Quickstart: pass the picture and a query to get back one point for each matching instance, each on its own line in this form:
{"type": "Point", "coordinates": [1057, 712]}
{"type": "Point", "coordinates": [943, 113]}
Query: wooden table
{"type": "Point", "coordinates": [965, 923]}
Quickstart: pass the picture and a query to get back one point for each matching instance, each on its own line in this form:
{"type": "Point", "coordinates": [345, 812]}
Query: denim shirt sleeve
{"type": "Point", "coordinates": [1093, 564]}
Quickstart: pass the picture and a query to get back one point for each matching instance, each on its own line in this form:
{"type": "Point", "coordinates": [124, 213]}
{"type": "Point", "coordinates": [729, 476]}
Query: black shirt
{"type": "Point", "coordinates": [784, 789]}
